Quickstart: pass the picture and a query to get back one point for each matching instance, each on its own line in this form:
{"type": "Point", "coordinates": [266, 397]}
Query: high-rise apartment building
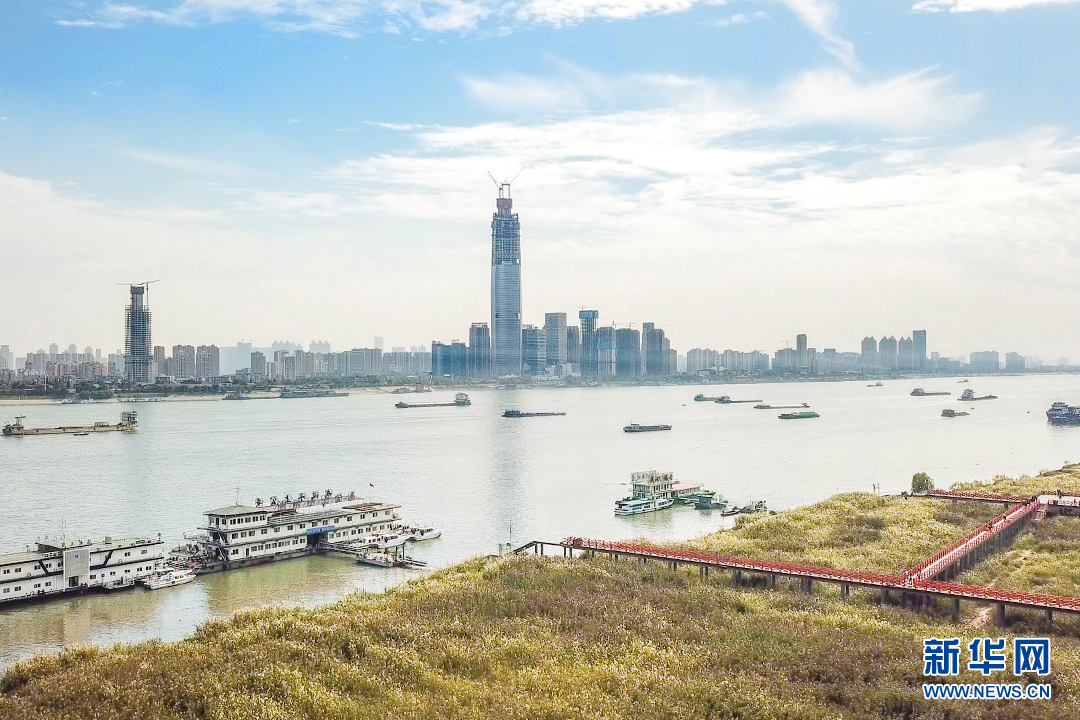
{"type": "Point", "coordinates": [555, 338]}
{"type": "Point", "coordinates": [533, 350]}
{"type": "Point", "coordinates": [918, 337]}
{"type": "Point", "coordinates": [137, 343]}
{"type": "Point", "coordinates": [588, 319]}
{"type": "Point", "coordinates": [886, 350]}
{"type": "Point", "coordinates": [7, 360]}
{"type": "Point", "coordinates": [905, 354]}
{"type": "Point", "coordinates": [869, 356]}
{"type": "Point", "coordinates": [207, 362]}
{"type": "Point", "coordinates": [986, 361]}
{"type": "Point", "coordinates": [627, 353]}
{"type": "Point", "coordinates": [605, 352]}
{"type": "Point", "coordinates": [258, 365]}
{"type": "Point", "coordinates": [1014, 362]}
{"type": "Point", "coordinates": [183, 363]}
{"type": "Point", "coordinates": [654, 349]}
{"type": "Point", "coordinates": [479, 351]}
{"type": "Point", "coordinates": [573, 346]}
{"type": "Point", "coordinates": [506, 286]}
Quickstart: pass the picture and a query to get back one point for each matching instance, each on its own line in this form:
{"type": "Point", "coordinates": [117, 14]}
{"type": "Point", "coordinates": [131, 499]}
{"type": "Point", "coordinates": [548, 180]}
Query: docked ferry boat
{"type": "Point", "coordinates": [64, 566]}
{"type": "Point", "coordinates": [652, 490]}
{"type": "Point", "coordinates": [241, 535]}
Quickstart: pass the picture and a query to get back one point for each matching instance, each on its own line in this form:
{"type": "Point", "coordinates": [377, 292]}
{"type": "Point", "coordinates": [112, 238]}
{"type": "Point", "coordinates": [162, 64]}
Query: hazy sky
{"type": "Point", "coordinates": [736, 172]}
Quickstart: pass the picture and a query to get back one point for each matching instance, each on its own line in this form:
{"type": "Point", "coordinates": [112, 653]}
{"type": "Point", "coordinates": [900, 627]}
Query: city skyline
{"type": "Point", "coordinates": [872, 167]}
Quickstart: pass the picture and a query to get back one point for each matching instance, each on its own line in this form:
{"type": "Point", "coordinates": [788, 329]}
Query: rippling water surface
{"type": "Point", "coordinates": [484, 479]}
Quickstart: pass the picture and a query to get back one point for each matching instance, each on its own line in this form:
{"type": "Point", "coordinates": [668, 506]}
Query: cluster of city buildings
{"type": "Point", "coordinates": [503, 347]}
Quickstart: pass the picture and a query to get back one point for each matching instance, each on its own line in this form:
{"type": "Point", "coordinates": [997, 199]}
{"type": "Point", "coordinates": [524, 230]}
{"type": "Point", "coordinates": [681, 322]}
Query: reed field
{"type": "Point", "coordinates": [855, 531]}
{"type": "Point", "coordinates": [533, 638]}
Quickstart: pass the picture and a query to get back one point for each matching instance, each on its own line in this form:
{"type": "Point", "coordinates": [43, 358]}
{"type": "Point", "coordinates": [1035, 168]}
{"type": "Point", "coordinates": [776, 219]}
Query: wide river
{"type": "Point", "coordinates": [483, 479]}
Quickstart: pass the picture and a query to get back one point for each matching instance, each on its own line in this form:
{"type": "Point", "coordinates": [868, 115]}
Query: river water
{"type": "Point", "coordinates": [483, 479]}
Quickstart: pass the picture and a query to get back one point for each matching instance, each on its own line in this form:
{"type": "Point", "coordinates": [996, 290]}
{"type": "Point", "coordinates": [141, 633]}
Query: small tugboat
{"type": "Point", "coordinates": [635, 428]}
{"type": "Point", "coordinates": [708, 500]}
{"type": "Point", "coordinates": [969, 394]}
{"type": "Point", "coordinates": [700, 397]}
{"type": "Point", "coordinates": [877, 384]}
{"type": "Point", "coordinates": [167, 578]}
{"type": "Point", "coordinates": [949, 412]}
{"type": "Point", "coordinates": [801, 415]}
{"type": "Point", "coordinates": [1063, 414]}
{"type": "Point", "coordinates": [520, 414]}
{"type": "Point", "coordinates": [919, 392]}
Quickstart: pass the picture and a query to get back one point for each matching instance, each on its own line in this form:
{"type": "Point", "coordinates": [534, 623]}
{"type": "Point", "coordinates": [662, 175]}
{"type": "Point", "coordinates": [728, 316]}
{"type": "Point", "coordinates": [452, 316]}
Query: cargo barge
{"type": "Point", "coordinates": [919, 392]}
{"type": "Point", "coordinates": [129, 422]}
{"type": "Point", "coordinates": [64, 567]}
{"type": "Point", "coordinates": [460, 400]}
{"type": "Point", "coordinates": [292, 393]}
{"type": "Point", "coordinates": [635, 428]}
{"type": "Point", "coordinates": [521, 414]}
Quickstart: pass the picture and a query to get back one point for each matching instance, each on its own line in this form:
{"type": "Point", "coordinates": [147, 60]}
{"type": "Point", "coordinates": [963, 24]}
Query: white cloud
{"type": "Point", "coordinates": [984, 5]}
{"type": "Point", "coordinates": [184, 163]}
{"type": "Point", "coordinates": [914, 102]}
{"type": "Point", "coordinates": [343, 16]}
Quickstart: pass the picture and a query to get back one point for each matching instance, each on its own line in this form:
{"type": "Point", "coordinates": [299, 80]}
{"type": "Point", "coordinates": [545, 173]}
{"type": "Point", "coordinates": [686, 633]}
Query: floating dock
{"type": "Point", "coordinates": [64, 567]}
{"type": "Point", "coordinates": [129, 422]}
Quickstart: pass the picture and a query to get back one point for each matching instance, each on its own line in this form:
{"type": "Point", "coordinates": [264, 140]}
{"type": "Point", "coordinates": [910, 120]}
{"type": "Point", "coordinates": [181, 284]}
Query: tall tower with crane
{"type": "Point", "coordinates": [138, 347]}
{"type": "Point", "coordinates": [505, 284]}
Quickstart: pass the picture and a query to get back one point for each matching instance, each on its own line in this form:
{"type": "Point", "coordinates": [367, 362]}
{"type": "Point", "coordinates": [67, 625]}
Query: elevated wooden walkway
{"type": "Point", "coordinates": [927, 579]}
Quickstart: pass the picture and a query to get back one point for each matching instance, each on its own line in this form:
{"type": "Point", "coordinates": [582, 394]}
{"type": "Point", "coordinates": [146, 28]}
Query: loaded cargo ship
{"type": "Point", "coordinates": [969, 394]}
{"type": "Point", "coordinates": [240, 535]}
{"type": "Point", "coordinates": [129, 422]}
{"type": "Point", "coordinates": [64, 567]}
{"type": "Point", "coordinates": [290, 393]}
{"type": "Point", "coordinates": [1063, 414]}
{"type": "Point", "coordinates": [919, 392]}
{"type": "Point", "coordinates": [635, 428]}
{"type": "Point", "coordinates": [521, 414]}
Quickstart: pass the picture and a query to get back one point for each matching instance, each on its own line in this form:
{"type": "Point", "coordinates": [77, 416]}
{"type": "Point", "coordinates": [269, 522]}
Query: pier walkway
{"type": "Point", "coordinates": [927, 579]}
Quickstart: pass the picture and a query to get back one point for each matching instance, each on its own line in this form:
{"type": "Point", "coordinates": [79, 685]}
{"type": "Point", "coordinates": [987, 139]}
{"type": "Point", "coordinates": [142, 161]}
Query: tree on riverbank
{"type": "Point", "coordinates": [921, 483]}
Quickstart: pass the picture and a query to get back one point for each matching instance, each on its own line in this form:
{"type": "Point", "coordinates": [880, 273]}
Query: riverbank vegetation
{"type": "Point", "coordinates": [525, 637]}
{"type": "Point", "coordinates": [856, 531]}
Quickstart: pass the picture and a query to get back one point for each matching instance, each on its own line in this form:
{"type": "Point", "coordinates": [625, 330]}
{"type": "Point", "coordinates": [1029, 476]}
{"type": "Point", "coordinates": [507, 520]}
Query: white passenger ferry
{"type": "Point", "coordinates": [242, 535]}
{"type": "Point", "coordinates": [652, 491]}
{"type": "Point", "coordinates": [66, 566]}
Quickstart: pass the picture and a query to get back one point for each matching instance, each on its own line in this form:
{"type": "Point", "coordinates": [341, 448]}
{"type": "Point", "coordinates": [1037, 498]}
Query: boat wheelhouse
{"type": "Point", "coordinates": [64, 566]}
{"type": "Point", "coordinates": [240, 535]}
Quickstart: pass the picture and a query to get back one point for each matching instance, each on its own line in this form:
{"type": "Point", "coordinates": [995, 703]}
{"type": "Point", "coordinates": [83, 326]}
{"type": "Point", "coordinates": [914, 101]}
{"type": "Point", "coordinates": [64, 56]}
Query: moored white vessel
{"type": "Point", "coordinates": [241, 535]}
{"type": "Point", "coordinates": [167, 578]}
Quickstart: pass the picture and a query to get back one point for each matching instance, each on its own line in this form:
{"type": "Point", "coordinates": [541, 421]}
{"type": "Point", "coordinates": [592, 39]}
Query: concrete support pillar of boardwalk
{"type": "Point", "coordinates": [956, 609]}
{"type": "Point", "coordinates": [1001, 614]}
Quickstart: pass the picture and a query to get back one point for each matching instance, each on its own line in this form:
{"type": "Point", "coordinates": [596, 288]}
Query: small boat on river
{"type": "Point", "coordinates": [167, 578]}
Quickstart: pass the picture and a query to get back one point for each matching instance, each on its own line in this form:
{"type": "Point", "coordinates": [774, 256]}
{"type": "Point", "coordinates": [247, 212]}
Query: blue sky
{"type": "Point", "coordinates": [734, 171]}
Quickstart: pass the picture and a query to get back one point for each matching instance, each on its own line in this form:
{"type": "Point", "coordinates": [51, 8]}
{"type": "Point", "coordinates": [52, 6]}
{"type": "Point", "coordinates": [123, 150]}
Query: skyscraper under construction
{"type": "Point", "coordinates": [138, 349]}
{"type": "Point", "coordinates": [505, 286]}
